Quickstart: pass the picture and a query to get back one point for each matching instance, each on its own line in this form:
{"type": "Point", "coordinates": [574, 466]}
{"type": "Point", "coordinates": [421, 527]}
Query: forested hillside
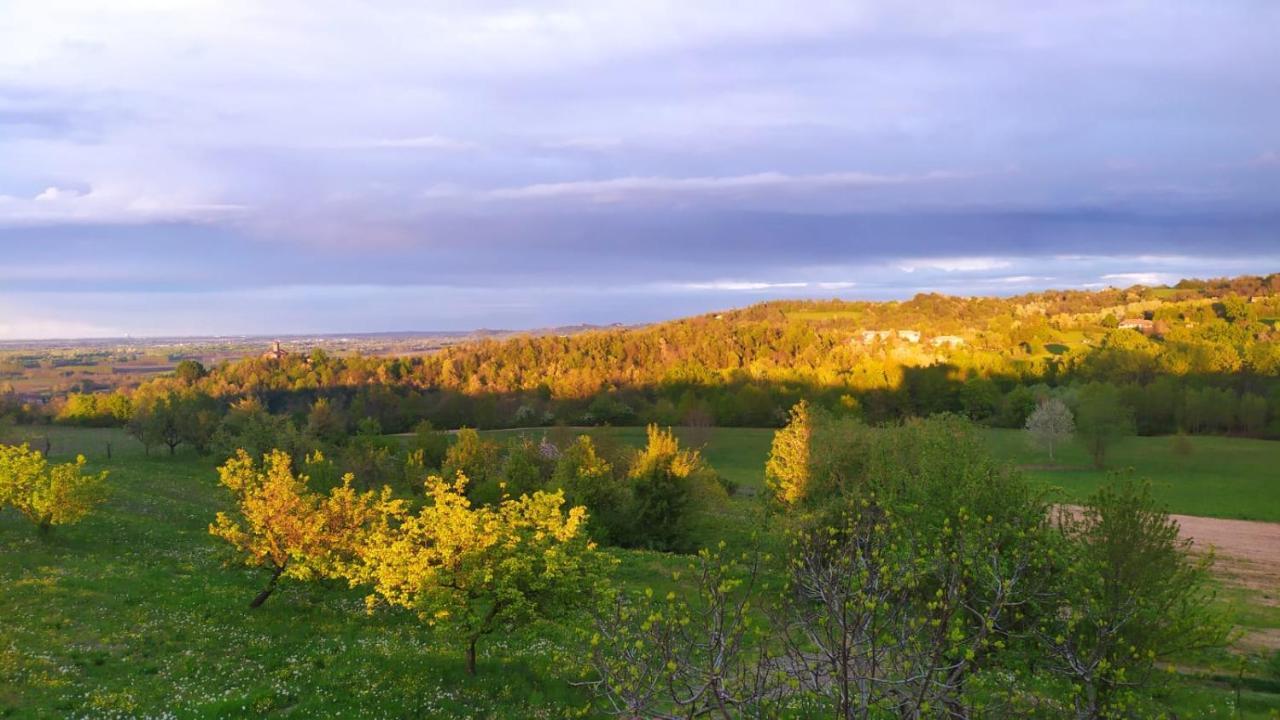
{"type": "Point", "coordinates": [1198, 357]}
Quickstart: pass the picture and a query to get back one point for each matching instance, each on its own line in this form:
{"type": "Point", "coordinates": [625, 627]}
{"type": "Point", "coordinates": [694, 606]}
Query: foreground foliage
{"type": "Point", "coordinates": [471, 571]}
{"type": "Point", "coordinates": [46, 494]}
{"type": "Point", "coordinates": [282, 525]}
{"type": "Point", "coordinates": [1128, 595]}
{"type": "Point", "coordinates": [923, 580]}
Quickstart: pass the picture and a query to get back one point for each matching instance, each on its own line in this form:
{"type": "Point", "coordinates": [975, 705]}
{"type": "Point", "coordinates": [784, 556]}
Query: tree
{"type": "Point", "coordinates": [1128, 594]}
{"type": "Point", "coordinates": [45, 494]}
{"type": "Point", "coordinates": [979, 398]}
{"type": "Point", "coordinates": [1252, 413]}
{"type": "Point", "coordinates": [476, 458]}
{"type": "Point", "coordinates": [815, 456]}
{"type": "Point", "coordinates": [1051, 424]}
{"type": "Point", "coordinates": [1017, 406]}
{"type": "Point", "coordinates": [667, 484]}
{"type": "Point", "coordinates": [588, 479]}
{"type": "Point", "coordinates": [282, 525]}
{"type": "Point", "coordinates": [680, 657]}
{"type": "Point", "coordinates": [248, 426]}
{"type": "Point", "coordinates": [915, 580]}
{"type": "Point", "coordinates": [433, 443]}
{"type": "Point", "coordinates": [787, 472]}
{"type": "Point", "coordinates": [471, 571]}
{"type": "Point", "coordinates": [325, 422]}
{"type": "Point", "coordinates": [189, 371]}
{"type": "Point", "coordinates": [524, 469]}
{"type": "Point", "coordinates": [1101, 419]}
{"type": "Point", "coordinates": [175, 418]}
{"type": "Point", "coordinates": [197, 417]}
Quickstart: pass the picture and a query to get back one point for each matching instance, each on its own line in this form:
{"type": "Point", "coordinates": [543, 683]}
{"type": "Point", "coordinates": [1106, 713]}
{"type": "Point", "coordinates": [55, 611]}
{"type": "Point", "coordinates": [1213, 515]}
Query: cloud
{"type": "Point", "coordinates": [1141, 278]}
{"type": "Point", "coordinates": [741, 285]}
{"type": "Point", "coordinates": [642, 145]}
{"type": "Point", "coordinates": [54, 193]}
{"type": "Point", "coordinates": [621, 187]}
{"type": "Point", "coordinates": [55, 205]}
{"type": "Point", "coordinates": [955, 264]}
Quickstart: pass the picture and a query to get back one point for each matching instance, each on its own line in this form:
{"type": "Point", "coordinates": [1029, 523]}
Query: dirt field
{"type": "Point", "coordinates": [1247, 555]}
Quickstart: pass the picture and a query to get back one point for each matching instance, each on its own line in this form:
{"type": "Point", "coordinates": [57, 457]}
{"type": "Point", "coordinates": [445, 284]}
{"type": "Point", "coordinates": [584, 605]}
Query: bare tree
{"type": "Point", "coordinates": [881, 619]}
{"type": "Point", "coordinates": [1051, 424]}
{"type": "Point", "coordinates": [672, 658]}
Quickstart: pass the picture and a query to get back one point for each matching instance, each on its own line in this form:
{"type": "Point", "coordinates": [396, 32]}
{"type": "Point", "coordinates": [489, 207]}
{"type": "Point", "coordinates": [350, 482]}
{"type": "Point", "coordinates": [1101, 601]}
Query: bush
{"type": "Point", "coordinates": [45, 494]}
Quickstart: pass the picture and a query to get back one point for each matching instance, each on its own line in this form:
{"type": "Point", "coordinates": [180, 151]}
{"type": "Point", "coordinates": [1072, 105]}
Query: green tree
{"type": "Point", "coordinates": [1017, 406]}
{"type": "Point", "coordinates": [326, 423]}
{"type": "Point", "coordinates": [189, 371]}
{"type": "Point", "coordinates": [248, 426]}
{"type": "Point", "coordinates": [668, 485]}
{"type": "Point", "coordinates": [1252, 413]}
{"type": "Point", "coordinates": [588, 479]}
{"type": "Point", "coordinates": [433, 444]}
{"type": "Point", "coordinates": [476, 458]}
{"type": "Point", "coordinates": [1129, 595]}
{"type": "Point", "coordinates": [979, 398]}
{"type": "Point", "coordinates": [1101, 420]}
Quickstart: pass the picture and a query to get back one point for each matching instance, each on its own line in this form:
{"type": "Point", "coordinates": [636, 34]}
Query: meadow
{"type": "Point", "coordinates": [1219, 477]}
{"type": "Point", "coordinates": [133, 612]}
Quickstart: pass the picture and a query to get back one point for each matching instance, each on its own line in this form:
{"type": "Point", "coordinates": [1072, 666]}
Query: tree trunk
{"type": "Point", "coordinates": [471, 656]}
{"type": "Point", "coordinates": [266, 591]}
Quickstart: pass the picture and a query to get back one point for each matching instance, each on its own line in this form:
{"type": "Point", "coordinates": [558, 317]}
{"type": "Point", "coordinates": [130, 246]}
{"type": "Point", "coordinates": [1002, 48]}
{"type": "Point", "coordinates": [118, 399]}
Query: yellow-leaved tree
{"type": "Point", "coordinates": [47, 494]}
{"type": "Point", "coordinates": [787, 471]}
{"type": "Point", "coordinates": [286, 527]}
{"type": "Point", "coordinates": [470, 571]}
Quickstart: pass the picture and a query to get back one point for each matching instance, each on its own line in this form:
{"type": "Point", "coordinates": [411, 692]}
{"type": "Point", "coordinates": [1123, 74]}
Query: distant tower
{"type": "Point", "coordinates": [276, 352]}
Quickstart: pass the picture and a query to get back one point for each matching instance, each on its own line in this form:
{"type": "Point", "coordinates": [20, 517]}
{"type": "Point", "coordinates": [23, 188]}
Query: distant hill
{"type": "Point", "coordinates": [1172, 350]}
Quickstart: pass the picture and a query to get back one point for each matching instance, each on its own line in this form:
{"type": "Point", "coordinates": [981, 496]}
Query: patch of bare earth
{"type": "Point", "coordinates": [1247, 555]}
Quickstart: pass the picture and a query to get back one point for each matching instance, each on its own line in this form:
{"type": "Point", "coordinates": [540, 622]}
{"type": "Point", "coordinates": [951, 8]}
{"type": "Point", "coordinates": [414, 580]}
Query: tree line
{"type": "Point", "coordinates": [1207, 361]}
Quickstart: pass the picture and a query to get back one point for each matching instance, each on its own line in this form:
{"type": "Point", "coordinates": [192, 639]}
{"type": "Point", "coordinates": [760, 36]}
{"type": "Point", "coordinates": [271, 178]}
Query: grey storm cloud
{"type": "Point", "coordinates": [417, 165]}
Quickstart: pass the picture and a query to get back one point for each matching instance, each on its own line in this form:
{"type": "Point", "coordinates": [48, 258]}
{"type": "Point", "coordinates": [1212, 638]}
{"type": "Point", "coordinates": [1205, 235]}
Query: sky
{"type": "Point", "coordinates": [197, 167]}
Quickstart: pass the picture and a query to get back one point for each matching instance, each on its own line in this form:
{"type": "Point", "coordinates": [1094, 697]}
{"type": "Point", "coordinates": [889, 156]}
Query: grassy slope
{"type": "Point", "coordinates": [133, 613]}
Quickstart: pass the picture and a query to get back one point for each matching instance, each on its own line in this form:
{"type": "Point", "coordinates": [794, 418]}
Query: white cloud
{"type": "Point", "coordinates": [618, 188]}
{"type": "Point", "coordinates": [1141, 278]}
{"type": "Point", "coordinates": [741, 285]}
{"type": "Point", "coordinates": [110, 204]}
{"type": "Point", "coordinates": [55, 193]}
{"type": "Point", "coordinates": [954, 264]}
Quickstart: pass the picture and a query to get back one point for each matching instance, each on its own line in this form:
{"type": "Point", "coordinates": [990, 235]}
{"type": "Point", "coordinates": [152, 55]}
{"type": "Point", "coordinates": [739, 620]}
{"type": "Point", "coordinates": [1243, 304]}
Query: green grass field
{"type": "Point", "coordinates": [133, 613]}
{"type": "Point", "coordinates": [1221, 477]}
